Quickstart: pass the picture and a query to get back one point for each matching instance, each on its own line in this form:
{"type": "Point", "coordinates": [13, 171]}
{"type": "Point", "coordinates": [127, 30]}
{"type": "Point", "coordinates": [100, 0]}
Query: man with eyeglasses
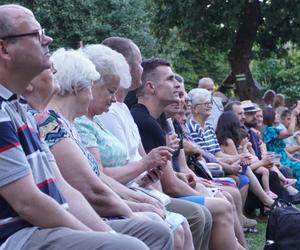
{"type": "Point", "coordinates": [34, 213]}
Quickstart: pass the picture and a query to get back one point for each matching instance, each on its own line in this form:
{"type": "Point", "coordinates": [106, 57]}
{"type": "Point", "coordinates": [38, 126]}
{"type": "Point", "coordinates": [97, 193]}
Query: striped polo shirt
{"type": "Point", "coordinates": [21, 153]}
{"type": "Point", "coordinates": [205, 138]}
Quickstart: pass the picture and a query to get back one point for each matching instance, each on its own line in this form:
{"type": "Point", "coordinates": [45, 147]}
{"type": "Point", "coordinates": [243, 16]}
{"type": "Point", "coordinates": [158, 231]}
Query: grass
{"type": "Point", "coordinates": [256, 241]}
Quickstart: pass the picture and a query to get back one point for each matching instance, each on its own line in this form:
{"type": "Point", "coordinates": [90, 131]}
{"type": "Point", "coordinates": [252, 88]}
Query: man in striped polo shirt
{"type": "Point", "coordinates": [34, 212]}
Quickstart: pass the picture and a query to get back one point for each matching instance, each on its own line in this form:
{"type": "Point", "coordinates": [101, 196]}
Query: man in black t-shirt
{"type": "Point", "coordinates": [159, 89]}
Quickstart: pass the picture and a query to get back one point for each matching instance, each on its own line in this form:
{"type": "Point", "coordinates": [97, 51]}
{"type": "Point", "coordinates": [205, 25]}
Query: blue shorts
{"type": "Point", "coordinates": [195, 199]}
{"type": "Point", "coordinates": [243, 178]}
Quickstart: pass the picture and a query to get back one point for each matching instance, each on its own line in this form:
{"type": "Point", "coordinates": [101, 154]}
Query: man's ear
{"type": "Point", "coordinates": [150, 86]}
{"type": "Point", "coordinates": [29, 88]}
{"type": "Point", "coordinates": [3, 50]}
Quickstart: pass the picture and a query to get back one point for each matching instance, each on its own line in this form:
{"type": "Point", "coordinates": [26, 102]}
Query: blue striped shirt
{"type": "Point", "coordinates": [205, 138]}
{"type": "Point", "coordinates": [21, 153]}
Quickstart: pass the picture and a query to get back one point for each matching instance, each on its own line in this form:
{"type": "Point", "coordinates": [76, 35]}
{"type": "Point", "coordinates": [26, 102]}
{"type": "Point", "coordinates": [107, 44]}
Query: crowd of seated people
{"type": "Point", "coordinates": [94, 174]}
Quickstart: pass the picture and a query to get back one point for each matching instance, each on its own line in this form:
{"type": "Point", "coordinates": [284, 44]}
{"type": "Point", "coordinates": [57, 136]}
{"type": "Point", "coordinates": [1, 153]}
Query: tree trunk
{"type": "Point", "coordinates": [240, 54]}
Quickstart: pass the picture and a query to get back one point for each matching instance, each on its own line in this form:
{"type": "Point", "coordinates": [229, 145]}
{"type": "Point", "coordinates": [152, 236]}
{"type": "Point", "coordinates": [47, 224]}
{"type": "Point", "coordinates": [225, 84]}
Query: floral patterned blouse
{"type": "Point", "coordinates": [54, 128]}
{"type": "Point", "coordinates": [93, 135]}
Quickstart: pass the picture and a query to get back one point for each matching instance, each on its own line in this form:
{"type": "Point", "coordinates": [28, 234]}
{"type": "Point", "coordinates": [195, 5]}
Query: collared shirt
{"type": "Point", "coordinates": [21, 153]}
{"type": "Point", "coordinates": [204, 137]}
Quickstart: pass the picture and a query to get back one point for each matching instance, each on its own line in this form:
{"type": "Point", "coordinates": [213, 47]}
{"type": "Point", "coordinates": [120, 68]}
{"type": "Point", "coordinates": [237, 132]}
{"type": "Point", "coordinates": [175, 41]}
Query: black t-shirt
{"type": "Point", "coordinates": [151, 133]}
{"type": "Point", "coordinates": [131, 99]}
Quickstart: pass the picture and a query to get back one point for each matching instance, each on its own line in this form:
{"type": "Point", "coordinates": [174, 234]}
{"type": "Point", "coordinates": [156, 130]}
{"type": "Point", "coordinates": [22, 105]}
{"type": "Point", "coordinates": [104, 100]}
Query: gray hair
{"type": "Point", "coordinates": [199, 95]}
{"type": "Point", "coordinates": [74, 70]}
{"type": "Point", "coordinates": [109, 62]}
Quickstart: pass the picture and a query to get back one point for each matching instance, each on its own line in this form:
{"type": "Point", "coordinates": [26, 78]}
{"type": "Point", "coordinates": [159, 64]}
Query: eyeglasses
{"type": "Point", "coordinates": [39, 33]}
{"type": "Point", "coordinates": [206, 104]}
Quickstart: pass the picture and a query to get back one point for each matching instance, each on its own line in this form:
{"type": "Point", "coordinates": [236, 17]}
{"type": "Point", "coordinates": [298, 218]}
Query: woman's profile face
{"type": "Point", "coordinates": [104, 94]}
{"type": "Point", "coordinates": [259, 118]}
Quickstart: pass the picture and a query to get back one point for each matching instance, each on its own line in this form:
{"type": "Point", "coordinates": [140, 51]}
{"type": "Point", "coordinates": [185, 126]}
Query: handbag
{"type": "Point", "coordinates": [198, 167]}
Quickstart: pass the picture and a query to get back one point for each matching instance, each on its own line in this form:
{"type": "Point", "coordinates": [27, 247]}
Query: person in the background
{"type": "Point", "coordinates": [268, 98]}
{"type": "Point", "coordinates": [217, 105]}
{"type": "Point", "coordinates": [273, 137]}
{"type": "Point", "coordinates": [279, 100]}
{"type": "Point", "coordinates": [293, 142]}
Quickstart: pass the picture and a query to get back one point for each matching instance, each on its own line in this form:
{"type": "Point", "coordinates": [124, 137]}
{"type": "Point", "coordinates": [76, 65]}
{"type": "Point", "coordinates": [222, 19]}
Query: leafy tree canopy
{"type": "Point", "coordinates": [91, 21]}
{"type": "Point", "coordinates": [280, 73]}
{"type": "Point", "coordinates": [214, 23]}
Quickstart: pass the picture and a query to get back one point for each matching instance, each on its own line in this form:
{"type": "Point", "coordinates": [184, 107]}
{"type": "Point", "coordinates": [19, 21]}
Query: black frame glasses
{"type": "Point", "coordinates": [39, 33]}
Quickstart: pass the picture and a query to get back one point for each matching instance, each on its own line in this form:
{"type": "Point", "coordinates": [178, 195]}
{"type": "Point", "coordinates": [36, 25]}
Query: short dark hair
{"type": "Point", "coordinates": [151, 64]}
{"type": "Point", "coordinates": [229, 105]}
{"type": "Point", "coordinates": [149, 71]}
{"type": "Point", "coordinates": [269, 116]}
{"type": "Point", "coordinates": [285, 113]}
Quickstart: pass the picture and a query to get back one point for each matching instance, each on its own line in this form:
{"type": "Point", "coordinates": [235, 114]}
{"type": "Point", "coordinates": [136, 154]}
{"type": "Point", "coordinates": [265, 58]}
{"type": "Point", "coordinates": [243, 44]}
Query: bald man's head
{"type": "Point", "coordinates": [10, 17]}
{"type": "Point", "coordinates": [132, 54]}
{"type": "Point", "coordinates": [206, 83]}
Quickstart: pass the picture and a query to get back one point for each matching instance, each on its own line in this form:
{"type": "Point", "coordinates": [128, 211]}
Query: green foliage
{"type": "Point", "coordinates": [91, 21]}
{"type": "Point", "coordinates": [200, 23]}
{"type": "Point", "coordinates": [195, 36]}
{"type": "Point", "coordinates": [193, 63]}
{"type": "Point", "coordinates": [281, 25]}
{"type": "Point", "coordinates": [214, 23]}
{"type": "Point", "coordinates": [281, 74]}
